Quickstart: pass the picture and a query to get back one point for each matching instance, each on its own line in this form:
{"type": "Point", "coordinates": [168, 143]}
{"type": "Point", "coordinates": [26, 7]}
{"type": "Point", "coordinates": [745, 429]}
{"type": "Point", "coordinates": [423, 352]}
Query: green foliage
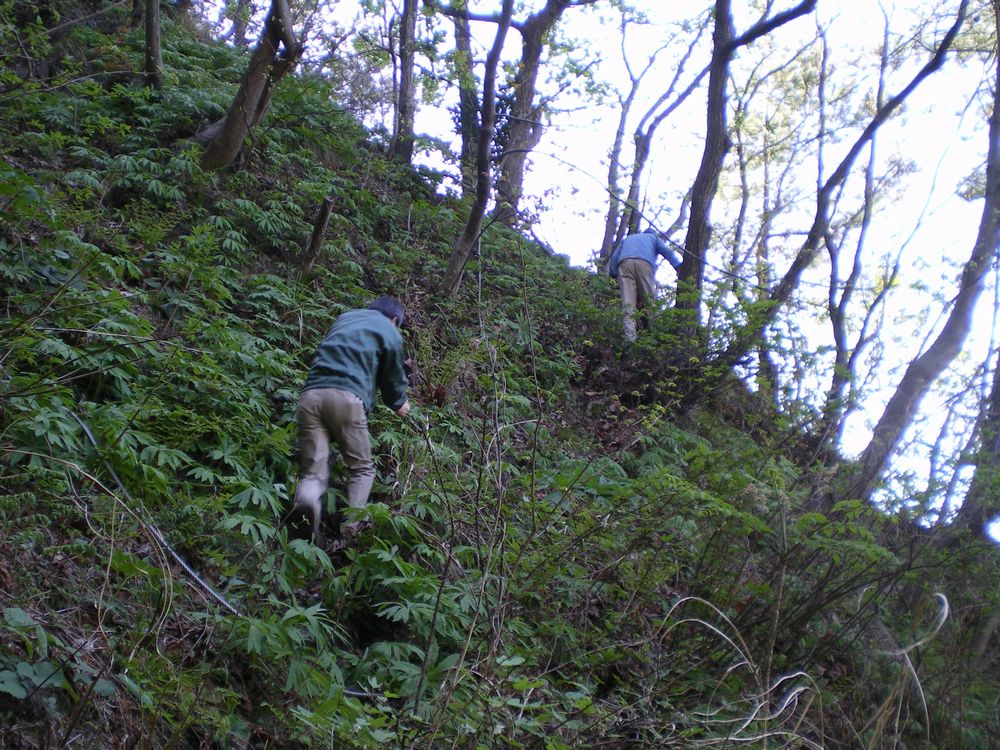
{"type": "Point", "coordinates": [558, 555]}
{"type": "Point", "coordinates": [40, 668]}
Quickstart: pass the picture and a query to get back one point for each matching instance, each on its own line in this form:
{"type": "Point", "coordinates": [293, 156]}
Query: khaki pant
{"type": "Point", "coordinates": [328, 415]}
{"type": "Point", "coordinates": [637, 288]}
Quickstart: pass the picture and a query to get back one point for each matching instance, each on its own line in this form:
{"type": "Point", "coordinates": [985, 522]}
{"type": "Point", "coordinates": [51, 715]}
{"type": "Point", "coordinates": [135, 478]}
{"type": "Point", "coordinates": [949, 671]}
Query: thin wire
{"type": "Point", "coordinates": [180, 560]}
{"type": "Point", "coordinates": [152, 527]}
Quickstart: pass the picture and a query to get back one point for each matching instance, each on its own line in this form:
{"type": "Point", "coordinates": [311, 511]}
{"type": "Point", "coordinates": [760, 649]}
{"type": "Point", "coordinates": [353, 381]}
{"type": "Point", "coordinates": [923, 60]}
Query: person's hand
{"type": "Point", "coordinates": [404, 409]}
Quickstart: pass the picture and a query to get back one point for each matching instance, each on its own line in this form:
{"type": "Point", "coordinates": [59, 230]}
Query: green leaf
{"type": "Point", "coordinates": [10, 684]}
{"type": "Point", "coordinates": [129, 565]}
{"type": "Point", "coordinates": [43, 674]}
{"type": "Point", "coordinates": [18, 618]}
{"type": "Point", "coordinates": [104, 688]}
{"type": "Point", "coordinates": [135, 691]}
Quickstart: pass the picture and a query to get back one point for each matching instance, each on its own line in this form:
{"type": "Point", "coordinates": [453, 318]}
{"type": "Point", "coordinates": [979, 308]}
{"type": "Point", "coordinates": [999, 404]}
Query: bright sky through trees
{"type": "Point", "coordinates": [927, 154]}
{"type": "Point", "coordinates": [939, 140]}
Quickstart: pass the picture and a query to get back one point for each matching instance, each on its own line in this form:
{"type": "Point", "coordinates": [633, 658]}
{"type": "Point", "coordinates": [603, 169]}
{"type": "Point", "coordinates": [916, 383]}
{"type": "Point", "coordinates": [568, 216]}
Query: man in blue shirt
{"type": "Point", "coordinates": [360, 355]}
{"type": "Point", "coordinates": [633, 263]}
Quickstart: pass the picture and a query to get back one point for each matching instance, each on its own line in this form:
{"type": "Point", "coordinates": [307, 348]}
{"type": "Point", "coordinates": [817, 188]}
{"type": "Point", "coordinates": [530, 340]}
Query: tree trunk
{"type": "Point", "coordinates": [618, 226]}
{"type": "Point", "coordinates": [525, 129]}
{"type": "Point", "coordinates": [924, 369]}
{"type": "Point", "coordinates": [462, 249]}
{"type": "Point", "coordinates": [402, 138]}
{"type": "Point", "coordinates": [281, 67]}
{"type": "Point", "coordinates": [690, 275]}
{"type": "Point", "coordinates": [767, 371]}
{"type": "Point", "coordinates": [614, 197]}
{"type": "Point", "coordinates": [835, 406]}
{"type": "Point", "coordinates": [615, 155]}
{"type": "Point", "coordinates": [154, 57]}
{"type": "Point", "coordinates": [241, 18]}
{"type": "Point", "coordinates": [265, 70]}
{"type": "Point", "coordinates": [468, 105]}
{"type": "Point", "coordinates": [629, 223]}
{"type": "Point", "coordinates": [982, 502]}
{"type": "Point", "coordinates": [320, 222]}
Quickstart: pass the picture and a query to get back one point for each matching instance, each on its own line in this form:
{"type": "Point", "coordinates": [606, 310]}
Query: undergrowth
{"type": "Point", "coordinates": [560, 557]}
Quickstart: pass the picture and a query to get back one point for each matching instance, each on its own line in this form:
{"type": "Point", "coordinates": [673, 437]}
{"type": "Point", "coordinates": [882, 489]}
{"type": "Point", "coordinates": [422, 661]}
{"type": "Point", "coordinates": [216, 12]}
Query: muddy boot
{"type": "Point", "coordinates": [304, 522]}
{"type": "Point", "coordinates": [349, 532]}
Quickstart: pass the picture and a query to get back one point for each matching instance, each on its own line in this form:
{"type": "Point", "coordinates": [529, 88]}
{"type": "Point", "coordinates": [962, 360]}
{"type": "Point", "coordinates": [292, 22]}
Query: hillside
{"type": "Point", "coordinates": [573, 545]}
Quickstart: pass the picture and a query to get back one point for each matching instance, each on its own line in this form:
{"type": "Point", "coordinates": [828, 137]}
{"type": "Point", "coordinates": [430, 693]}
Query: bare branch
{"type": "Point", "coordinates": [765, 27]}
{"type": "Point", "coordinates": [783, 291]}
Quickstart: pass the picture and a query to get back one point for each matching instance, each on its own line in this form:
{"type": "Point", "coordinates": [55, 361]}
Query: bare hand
{"type": "Point", "coordinates": [404, 409]}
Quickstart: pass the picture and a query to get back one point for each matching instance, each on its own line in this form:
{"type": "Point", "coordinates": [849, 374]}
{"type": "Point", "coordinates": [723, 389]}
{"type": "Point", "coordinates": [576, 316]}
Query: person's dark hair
{"type": "Point", "coordinates": [390, 307]}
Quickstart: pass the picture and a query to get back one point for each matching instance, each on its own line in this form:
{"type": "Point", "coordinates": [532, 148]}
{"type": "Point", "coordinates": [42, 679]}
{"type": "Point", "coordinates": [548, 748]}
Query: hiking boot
{"type": "Point", "coordinates": [303, 522]}
{"type": "Point", "coordinates": [350, 532]}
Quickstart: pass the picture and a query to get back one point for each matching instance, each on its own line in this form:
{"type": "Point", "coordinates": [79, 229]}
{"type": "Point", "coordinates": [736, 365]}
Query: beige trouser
{"type": "Point", "coordinates": [325, 415]}
{"type": "Point", "coordinates": [635, 283]}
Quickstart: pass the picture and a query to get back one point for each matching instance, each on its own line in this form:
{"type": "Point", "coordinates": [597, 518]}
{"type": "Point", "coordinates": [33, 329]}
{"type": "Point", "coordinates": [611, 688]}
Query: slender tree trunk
{"type": "Point", "coordinates": [782, 292]}
{"type": "Point", "coordinates": [468, 105]}
{"type": "Point", "coordinates": [690, 275]}
{"type": "Point", "coordinates": [402, 138]}
{"type": "Point", "coordinates": [241, 18]}
{"type": "Point", "coordinates": [835, 405]}
{"type": "Point", "coordinates": [629, 223]}
{"type": "Point", "coordinates": [320, 222]}
{"type": "Point", "coordinates": [524, 128]}
{"type": "Point", "coordinates": [154, 57]}
{"type": "Point", "coordinates": [615, 155]}
{"type": "Point", "coordinates": [924, 369]}
{"type": "Point", "coordinates": [614, 197]}
{"type": "Point", "coordinates": [984, 634]}
{"type": "Point", "coordinates": [265, 70]}
{"type": "Point", "coordinates": [279, 69]}
{"type": "Point", "coordinates": [618, 226]}
{"type": "Point", "coordinates": [228, 141]}
{"type": "Point", "coordinates": [463, 246]}
{"type": "Point", "coordinates": [767, 371]}
{"type": "Point", "coordinates": [982, 502]}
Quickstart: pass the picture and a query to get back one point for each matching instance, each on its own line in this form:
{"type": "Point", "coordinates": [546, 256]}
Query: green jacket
{"type": "Point", "coordinates": [362, 352]}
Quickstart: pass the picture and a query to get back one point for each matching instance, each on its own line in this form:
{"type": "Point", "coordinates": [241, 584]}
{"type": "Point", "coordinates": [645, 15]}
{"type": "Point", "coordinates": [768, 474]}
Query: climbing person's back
{"type": "Point", "coordinates": [362, 354]}
{"type": "Point", "coordinates": [633, 264]}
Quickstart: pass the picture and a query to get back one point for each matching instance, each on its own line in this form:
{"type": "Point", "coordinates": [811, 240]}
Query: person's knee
{"type": "Point", "coordinates": [362, 469]}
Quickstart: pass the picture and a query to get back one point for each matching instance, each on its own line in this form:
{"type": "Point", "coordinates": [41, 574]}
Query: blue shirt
{"type": "Point", "coordinates": [645, 246]}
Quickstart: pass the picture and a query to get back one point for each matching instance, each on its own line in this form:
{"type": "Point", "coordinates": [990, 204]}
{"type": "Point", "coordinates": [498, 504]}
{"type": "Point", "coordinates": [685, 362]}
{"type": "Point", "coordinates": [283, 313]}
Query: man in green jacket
{"type": "Point", "coordinates": [361, 354]}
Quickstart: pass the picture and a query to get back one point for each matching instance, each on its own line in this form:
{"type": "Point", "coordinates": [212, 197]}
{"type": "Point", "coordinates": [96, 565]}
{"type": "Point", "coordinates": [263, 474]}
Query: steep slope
{"type": "Point", "coordinates": [560, 557]}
